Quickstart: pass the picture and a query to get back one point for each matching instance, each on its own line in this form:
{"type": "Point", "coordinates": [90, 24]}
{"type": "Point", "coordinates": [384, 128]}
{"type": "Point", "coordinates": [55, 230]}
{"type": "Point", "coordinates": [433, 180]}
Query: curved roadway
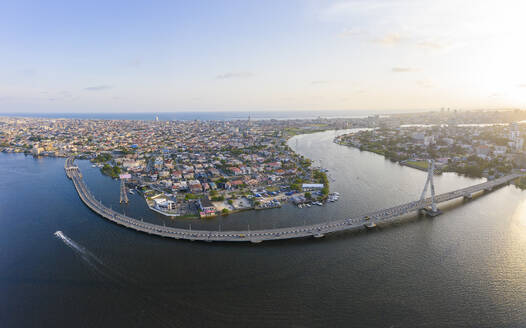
{"type": "Point", "coordinates": [255, 236]}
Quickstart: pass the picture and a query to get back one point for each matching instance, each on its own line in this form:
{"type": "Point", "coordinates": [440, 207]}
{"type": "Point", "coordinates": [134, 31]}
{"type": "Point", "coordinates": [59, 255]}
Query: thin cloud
{"type": "Point", "coordinates": [389, 39]}
{"type": "Point", "coordinates": [496, 95]}
{"type": "Point", "coordinates": [320, 82]}
{"type": "Point", "coordinates": [348, 32]}
{"type": "Point", "coordinates": [522, 85]}
{"type": "Point", "coordinates": [98, 88]}
{"type": "Point", "coordinates": [65, 94]}
{"type": "Point", "coordinates": [403, 69]}
{"type": "Point", "coordinates": [424, 84]}
{"type": "Point", "coordinates": [343, 9]}
{"type": "Point", "coordinates": [430, 45]}
{"type": "Point", "coordinates": [234, 75]}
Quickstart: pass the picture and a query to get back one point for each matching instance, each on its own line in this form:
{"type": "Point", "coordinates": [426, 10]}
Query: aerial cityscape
{"type": "Point", "coordinates": [201, 169]}
{"type": "Point", "coordinates": [339, 163]}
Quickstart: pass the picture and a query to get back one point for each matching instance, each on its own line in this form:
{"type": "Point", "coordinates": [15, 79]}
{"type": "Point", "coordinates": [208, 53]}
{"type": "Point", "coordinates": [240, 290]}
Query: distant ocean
{"type": "Point", "coordinates": [215, 116]}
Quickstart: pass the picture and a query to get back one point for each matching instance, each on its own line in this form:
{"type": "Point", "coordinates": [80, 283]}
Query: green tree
{"type": "Point", "coordinates": [296, 187]}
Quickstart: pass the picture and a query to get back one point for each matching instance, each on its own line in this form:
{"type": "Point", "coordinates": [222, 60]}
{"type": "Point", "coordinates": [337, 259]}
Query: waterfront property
{"type": "Point", "coordinates": [256, 236]}
{"type": "Point", "coordinates": [477, 151]}
{"type": "Point", "coordinates": [173, 164]}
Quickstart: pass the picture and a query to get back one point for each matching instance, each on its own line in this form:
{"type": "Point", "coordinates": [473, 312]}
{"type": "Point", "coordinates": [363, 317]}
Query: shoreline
{"type": "Point", "coordinates": [438, 171]}
{"type": "Point", "coordinates": [253, 208]}
{"type": "Point", "coordinates": [257, 236]}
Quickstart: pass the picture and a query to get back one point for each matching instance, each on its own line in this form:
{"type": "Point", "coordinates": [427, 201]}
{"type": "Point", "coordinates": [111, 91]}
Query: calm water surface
{"type": "Point", "coordinates": [465, 268]}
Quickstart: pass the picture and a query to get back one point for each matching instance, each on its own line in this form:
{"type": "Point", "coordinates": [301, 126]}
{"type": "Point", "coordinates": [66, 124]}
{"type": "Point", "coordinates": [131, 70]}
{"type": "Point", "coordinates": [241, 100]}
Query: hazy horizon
{"type": "Point", "coordinates": [250, 56]}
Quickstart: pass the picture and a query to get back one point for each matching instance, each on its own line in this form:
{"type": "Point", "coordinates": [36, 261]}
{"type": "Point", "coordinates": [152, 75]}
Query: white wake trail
{"type": "Point", "coordinates": [93, 261]}
{"type": "Point", "coordinates": [70, 243]}
{"type": "Point", "coordinates": [146, 299]}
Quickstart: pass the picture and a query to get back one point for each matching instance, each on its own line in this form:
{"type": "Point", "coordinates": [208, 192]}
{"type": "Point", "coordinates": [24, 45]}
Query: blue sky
{"type": "Point", "coordinates": [138, 56]}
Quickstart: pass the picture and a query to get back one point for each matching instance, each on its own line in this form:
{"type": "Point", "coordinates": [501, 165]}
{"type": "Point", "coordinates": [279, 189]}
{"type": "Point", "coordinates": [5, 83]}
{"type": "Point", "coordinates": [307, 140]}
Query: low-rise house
{"type": "Point", "coordinates": [181, 186]}
{"type": "Point", "coordinates": [236, 183]}
{"type": "Point", "coordinates": [235, 170]}
{"type": "Point", "coordinates": [206, 208]}
{"type": "Point", "coordinates": [500, 150]}
{"type": "Point", "coordinates": [195, 186]}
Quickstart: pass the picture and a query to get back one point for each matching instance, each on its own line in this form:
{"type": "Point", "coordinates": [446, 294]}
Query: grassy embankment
{"type": "Point", "coordinates": [520, 183]}
{"type": "Point", "coordinates": [112, 171]}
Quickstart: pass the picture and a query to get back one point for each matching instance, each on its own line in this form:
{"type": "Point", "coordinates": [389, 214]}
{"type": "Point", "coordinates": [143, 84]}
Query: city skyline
{"type": "Point", "coordinates": [254, 56]}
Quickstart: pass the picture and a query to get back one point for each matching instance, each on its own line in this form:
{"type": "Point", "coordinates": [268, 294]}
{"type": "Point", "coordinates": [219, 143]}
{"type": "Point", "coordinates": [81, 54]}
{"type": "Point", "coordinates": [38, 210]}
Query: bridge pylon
{"type": "Point", "coordinates": [429, 182]}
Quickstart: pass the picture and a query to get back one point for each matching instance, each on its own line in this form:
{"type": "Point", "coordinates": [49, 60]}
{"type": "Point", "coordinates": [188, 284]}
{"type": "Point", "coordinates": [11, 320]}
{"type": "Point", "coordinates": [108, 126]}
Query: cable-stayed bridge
{"type": "Point", "coordinates": [429, 205]}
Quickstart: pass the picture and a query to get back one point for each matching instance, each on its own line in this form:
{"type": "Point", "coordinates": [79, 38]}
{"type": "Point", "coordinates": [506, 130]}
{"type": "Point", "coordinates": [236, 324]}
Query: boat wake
{"type": "Point", "coordinates": [90, 259]}
{"type": "Point", "coordinates": [145, 298]}
{"type": "Point", "coordinates": [73, 245]}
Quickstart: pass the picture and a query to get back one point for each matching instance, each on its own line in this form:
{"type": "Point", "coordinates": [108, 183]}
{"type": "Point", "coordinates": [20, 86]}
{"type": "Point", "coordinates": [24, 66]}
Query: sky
{"type": "Point", "coordinates": [272, 55]}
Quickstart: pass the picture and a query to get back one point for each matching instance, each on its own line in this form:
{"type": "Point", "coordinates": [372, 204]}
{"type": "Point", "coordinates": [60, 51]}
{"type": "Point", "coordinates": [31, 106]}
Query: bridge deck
{"type": "Point", "coordinates": [315, 230]}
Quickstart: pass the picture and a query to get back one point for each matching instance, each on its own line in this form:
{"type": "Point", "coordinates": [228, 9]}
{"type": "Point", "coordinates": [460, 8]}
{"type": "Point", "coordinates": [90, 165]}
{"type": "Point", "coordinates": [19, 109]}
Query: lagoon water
{"type": "Point", "coordinates": [62, 265]}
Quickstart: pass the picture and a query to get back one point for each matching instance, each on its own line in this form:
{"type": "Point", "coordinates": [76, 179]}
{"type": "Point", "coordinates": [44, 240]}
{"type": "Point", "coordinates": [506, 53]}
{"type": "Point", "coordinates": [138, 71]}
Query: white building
{"type": "Point", "coordinates": [500, 150]}
{"type": "Point", "coordinates": [164, 204]}
{"type": "Point", "coordinates": [518, 142]}
{"type": "Point", "coordinates": [312, 186]}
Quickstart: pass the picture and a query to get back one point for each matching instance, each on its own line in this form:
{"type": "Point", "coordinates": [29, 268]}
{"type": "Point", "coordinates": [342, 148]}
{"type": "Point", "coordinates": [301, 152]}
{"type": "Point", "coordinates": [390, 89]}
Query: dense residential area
{"type": "Point", "coordinates": [185, 168]}
{"type": "Point", "coordinates": [209, 168]}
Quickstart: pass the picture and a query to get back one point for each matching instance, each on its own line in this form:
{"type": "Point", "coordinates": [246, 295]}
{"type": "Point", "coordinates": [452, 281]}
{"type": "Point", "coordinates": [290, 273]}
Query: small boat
{"type": "Point", "coordinates": [308, 205]}
{"type": "Point", "coordinates": [370, 225]}
{"type": "Point", "coordinates": [131, 191]}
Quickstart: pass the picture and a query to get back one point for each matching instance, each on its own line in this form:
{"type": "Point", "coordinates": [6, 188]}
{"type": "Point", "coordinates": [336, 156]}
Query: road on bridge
{"type": "Point", "coordinates": [256, 236]}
